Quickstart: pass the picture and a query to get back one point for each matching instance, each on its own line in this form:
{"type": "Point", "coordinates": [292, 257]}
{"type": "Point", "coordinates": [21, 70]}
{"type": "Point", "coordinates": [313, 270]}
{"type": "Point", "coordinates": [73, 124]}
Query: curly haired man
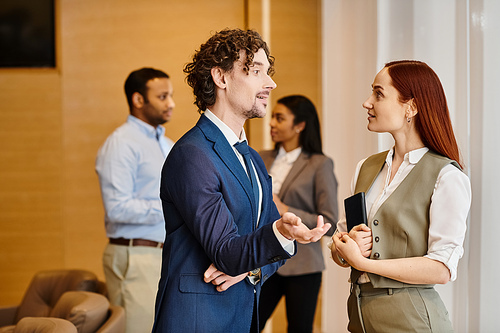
{"type": "Point", "coordinates": [224, 235]}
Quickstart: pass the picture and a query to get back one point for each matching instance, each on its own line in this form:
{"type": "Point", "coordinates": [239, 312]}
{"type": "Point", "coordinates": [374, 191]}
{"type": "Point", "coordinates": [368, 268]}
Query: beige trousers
{"type": "Point", "coordinates": [396, 310]}
{"type": "Point", "coordinates": [132, 274]}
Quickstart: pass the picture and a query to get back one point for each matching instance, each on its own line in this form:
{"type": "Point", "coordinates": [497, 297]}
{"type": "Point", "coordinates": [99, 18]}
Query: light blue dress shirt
{"type": "Point", "coordinates": [129, 167]}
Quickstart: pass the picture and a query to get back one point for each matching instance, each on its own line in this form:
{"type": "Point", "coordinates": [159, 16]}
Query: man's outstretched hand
{"type": "Point", "coordinates": [291, 227]}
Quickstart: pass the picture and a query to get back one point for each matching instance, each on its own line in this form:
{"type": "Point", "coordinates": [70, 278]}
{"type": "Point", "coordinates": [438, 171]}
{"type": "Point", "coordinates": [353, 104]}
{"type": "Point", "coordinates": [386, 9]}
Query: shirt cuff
{"type": "Point", "coordinates": [450, 257]}
{"type": "Point", "coordinates": [288, 245]}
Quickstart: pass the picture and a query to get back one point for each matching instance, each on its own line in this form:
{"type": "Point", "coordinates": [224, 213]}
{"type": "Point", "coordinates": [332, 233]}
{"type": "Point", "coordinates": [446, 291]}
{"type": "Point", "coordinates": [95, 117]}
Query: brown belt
{"type": "Point", "coordinates": [135, 242]}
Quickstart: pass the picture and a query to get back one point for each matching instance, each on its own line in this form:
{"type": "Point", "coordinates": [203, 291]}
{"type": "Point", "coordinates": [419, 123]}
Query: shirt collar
{"type": "Point", "coordinates": [228, 133]}
{"type": "Point", "coordinates": [291, 156]}
{"type": "Point", "coordinates": [412, 156]}
{"type": "Point", "coordinates": [146, 128]}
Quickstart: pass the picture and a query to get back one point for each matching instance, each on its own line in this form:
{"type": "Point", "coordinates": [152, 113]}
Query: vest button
{"type": "Point", "coordinates": [377, 239]}
{"type": "Point", "coordinates": [375, 222]}
{"type": "Point", "coordinates": [376, 255]}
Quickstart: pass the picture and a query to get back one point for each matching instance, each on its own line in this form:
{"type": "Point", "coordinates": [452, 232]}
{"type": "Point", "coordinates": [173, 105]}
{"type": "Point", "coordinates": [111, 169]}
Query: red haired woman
{"type": "Point", "coordinates": [417, 201]}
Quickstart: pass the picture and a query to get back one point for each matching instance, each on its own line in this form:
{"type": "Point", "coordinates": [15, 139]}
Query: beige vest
{"type": "Point", "coordinates": [400, 228]}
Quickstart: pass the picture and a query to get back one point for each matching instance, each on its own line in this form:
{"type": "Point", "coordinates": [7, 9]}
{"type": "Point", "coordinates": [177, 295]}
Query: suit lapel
{"type": "Point", "coordinates": [268, 157]}
{"type": "Point", "coordinates": [295, 171]}
{"type": "Point", "coordinates": [227, 155]}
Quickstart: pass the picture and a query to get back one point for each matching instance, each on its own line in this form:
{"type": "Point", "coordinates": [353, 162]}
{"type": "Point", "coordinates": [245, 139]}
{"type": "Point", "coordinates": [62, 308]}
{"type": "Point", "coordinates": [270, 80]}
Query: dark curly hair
{"type": "Point", "coordinates": [222, 50]}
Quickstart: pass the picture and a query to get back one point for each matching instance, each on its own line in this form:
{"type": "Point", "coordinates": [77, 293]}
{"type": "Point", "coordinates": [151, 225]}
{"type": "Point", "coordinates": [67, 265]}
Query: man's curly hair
{"type": "Point", "coordinates": [222, 50]}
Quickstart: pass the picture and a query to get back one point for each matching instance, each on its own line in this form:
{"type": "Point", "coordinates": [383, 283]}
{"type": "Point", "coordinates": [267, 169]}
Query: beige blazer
{"type": "Point", "coordinates": [310, 189]}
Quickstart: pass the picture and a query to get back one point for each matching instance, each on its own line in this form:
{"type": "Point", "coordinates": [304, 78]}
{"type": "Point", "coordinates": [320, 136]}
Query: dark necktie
{"type": "Point", "coordinates": [242, 147]}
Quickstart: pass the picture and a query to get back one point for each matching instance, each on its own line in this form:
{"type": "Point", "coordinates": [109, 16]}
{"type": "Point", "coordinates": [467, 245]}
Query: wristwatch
{"type": "Point", "coordinates": [256, 273]}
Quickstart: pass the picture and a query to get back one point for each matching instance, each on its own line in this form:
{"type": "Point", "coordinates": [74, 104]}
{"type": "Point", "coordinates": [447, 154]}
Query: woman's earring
{"type": "Point", "coordinates": [298, 131]}
{"type": "Point", "coordinates": [408, 119]}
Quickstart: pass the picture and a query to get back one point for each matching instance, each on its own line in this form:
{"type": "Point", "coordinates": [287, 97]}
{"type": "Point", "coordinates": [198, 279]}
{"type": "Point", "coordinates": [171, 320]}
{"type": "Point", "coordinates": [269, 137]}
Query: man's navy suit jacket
{"type": "Point", "coordinates": [209, 217]}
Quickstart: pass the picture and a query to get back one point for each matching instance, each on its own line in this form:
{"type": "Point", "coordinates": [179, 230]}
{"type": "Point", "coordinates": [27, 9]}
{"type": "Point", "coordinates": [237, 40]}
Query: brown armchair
{"type": "Point", "coordinates": [44, 291]}
{"type": "Point", "coordinates": [76, 311]}
{"type": "Point", "coordinates": [43, 325]}
{"type": "Point", "coordinates": [48, 307]}
{"type": "Point", "coordinates": [90, 312]}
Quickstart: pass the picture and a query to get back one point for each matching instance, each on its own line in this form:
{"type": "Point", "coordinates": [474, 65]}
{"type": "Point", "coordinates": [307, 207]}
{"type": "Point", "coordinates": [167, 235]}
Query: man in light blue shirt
{"type": "Point", "coordinates": [129, 167]}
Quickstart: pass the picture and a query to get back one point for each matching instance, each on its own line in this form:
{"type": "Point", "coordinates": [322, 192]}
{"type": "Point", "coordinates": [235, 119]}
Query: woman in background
{"type": "Point", "coordinates": [304, 184]}
{"type": "Point", "coordinates": [417, 200]}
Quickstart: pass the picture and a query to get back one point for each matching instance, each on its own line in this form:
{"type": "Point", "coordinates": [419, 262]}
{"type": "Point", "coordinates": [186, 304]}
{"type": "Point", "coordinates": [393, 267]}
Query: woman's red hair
{"type": "Point", "coordinates": [416, 80]}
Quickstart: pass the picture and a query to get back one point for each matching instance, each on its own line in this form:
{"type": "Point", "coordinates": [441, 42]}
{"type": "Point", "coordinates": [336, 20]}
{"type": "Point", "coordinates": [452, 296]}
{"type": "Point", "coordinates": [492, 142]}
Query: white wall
{"type": "Point", "coordinates": [460, 40]}
{"type": "Point", "coordinates": [484, 267]}
{"type": "Point", "coordinates": [349, 65]}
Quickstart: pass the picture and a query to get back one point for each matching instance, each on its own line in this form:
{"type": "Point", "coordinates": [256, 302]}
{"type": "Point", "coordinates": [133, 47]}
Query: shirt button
{"type": "Point", "coordinates": [376, 255]}
{"type": "Point", "coordinates": [377, 238]}
{"type": "Point", "coordinates": [375, 222]}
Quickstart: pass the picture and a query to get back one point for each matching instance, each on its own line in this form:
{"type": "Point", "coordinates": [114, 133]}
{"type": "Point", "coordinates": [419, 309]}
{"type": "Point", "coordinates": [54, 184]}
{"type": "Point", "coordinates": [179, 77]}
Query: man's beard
{"type": "Point", "coordinates": [254, 112]}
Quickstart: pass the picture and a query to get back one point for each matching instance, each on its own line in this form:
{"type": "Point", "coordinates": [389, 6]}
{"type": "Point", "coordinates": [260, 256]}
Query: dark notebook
{"type": "Point", "coordinates": [355, 210]}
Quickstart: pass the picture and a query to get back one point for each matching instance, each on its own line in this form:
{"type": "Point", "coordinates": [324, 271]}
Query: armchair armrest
{"type": "Point", "coordinates": [8, 315]}
{"type": "Point", "coordinates": [115, 321]}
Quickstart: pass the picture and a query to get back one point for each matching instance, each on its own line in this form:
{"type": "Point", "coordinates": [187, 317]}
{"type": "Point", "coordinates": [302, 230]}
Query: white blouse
{"type": "Point", "coordinates": [282, 165]}
{"type": "Point", "coordinates": [450, 203]}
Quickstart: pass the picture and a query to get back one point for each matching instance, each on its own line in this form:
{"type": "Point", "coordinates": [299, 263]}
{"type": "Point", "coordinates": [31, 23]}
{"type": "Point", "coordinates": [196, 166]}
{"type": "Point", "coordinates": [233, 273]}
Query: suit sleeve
{"type": "Point", "coordinates": [215, 209]}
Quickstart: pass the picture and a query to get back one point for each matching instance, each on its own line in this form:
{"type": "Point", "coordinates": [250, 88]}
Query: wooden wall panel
{"type": "Point", "coordinates": [31, 236]}
{"type": "Point", "coordinates": [295, 42]}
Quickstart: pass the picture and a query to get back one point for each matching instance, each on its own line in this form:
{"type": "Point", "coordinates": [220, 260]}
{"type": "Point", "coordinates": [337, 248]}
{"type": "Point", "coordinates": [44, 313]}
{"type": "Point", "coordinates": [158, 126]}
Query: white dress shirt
{"type": "Point", "coordinates": [450, 203]}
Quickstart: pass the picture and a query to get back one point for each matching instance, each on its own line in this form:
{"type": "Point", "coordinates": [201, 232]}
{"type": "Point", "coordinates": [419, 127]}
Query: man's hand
{"type": "Point", "coordinates": [220, 279]}
{"type": "Point", "coordinates": [291, 227]}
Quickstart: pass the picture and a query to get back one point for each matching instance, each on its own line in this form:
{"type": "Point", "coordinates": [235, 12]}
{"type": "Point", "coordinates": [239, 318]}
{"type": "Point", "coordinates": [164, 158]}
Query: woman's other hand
{"type": "Point", "coordinates": [362, 235]}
